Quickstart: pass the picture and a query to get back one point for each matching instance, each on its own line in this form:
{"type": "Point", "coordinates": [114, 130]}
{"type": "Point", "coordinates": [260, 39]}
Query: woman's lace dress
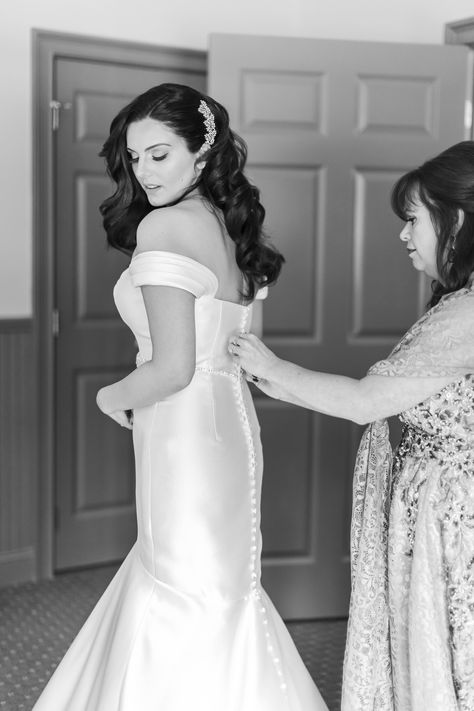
{"type": "Point", "coordinates": [410, 640]}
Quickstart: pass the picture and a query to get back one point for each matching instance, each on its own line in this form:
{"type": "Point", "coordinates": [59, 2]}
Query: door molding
{"type": "Point", "coordinates": [47, 47]}
{"type": "Point", "coordinates": [460, 32]}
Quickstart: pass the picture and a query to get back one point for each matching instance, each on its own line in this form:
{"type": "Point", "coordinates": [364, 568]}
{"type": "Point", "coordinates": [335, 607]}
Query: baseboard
{"type": "Point", "coordinates": [18, 566]}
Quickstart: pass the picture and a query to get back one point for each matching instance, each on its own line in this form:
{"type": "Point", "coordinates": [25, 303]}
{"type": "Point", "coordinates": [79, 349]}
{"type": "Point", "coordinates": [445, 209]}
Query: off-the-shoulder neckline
{"type": "Point", "coordinates": [181, 256]}
{"type": "Point", "coordinates": [199, 264]}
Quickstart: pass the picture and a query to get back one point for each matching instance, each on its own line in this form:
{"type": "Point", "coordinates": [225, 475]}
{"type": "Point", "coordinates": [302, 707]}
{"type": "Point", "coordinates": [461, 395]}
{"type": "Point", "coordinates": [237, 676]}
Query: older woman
{"type": "Point", "coordinates": [410, 644]}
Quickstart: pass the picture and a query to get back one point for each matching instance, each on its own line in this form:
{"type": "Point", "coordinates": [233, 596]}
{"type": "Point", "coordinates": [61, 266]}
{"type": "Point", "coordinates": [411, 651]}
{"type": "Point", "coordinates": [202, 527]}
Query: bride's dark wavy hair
{"type": "Point", "coordinates": [444, 185]}
{"type": "Point", "coordinates": [221, 181]}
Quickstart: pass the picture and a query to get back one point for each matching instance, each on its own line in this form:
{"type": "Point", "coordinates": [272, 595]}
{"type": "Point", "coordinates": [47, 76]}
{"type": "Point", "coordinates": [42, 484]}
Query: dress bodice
{"type": "Point", "coordinates": [215, 319]}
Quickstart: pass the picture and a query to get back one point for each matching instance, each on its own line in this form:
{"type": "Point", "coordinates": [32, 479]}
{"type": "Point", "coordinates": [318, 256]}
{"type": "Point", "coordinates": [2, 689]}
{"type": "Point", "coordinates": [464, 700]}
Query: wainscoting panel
{"type": "Point", "coordinates": [18, 494]}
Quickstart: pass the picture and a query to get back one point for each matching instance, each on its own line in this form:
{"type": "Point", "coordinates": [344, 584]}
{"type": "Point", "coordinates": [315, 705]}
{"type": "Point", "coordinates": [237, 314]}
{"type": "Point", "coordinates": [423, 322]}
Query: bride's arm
{"type": "Point", "coordinates": [170, 313]}
{"type": "Point", "coordinates": [371, 398]}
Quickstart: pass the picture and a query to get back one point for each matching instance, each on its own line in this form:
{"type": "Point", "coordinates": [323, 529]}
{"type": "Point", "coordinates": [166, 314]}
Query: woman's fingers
{"type": "Point", "coordinates": [251, 378]}
{"type": "Point", "coordinates": [238, 343]}
{"type": "Point", "coordinates": [234, 346]}
{"type": "Point", "coordinates": [251, 354]}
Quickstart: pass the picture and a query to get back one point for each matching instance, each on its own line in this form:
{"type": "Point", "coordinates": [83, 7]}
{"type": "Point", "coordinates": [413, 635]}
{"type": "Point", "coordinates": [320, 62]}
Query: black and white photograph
{"type": "Point", "coordinates": [237, 356]}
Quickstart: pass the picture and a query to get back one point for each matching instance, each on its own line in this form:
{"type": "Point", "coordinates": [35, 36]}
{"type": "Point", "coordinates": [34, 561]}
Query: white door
{"type": "Point", "coordinates": [330, 125]}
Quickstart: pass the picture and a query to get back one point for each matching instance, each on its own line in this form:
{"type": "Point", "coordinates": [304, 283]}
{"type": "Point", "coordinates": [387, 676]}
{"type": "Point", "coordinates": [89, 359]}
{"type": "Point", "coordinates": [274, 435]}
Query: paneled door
{"type": "Point", "coordinates": [330, 125]}
{"type": "Point", "coordinates": [94, 464]}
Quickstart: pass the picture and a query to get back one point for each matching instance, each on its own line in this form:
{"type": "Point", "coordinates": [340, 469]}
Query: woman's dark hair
{"type": "Point", "coordinates": [221, 181]}
{"type": "Point", "coordinates": [444, 185]}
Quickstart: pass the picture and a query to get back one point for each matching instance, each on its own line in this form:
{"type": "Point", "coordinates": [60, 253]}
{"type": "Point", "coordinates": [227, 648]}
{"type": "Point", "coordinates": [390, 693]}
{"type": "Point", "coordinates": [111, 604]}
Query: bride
{"type": "Point", "coordinates": [185, 624]}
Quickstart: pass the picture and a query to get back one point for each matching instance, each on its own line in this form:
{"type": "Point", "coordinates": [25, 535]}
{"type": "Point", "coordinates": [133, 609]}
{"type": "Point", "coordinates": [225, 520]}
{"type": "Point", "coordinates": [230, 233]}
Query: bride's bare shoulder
{"type": "Point", "coordinates": [184, 228]}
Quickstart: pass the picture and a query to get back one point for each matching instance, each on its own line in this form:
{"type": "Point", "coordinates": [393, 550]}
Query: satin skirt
{"type": "Point", "coordinates": [185, 624]}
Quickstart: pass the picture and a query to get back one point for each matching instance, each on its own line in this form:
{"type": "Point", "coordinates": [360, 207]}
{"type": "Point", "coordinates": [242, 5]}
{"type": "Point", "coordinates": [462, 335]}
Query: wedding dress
{"type": "Point", "coordinates": [185, 624]}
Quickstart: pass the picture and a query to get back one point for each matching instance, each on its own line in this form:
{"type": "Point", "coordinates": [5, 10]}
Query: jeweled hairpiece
{"type": "Point", "coordinates": [209, 123]}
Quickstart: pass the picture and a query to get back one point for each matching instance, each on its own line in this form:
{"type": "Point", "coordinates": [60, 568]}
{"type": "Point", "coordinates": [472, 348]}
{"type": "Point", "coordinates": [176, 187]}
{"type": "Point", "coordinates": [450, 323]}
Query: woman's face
{"type": "Point", "coordinates": [161, 161]}
{"type": "Point", "coordinates": [421, 240]}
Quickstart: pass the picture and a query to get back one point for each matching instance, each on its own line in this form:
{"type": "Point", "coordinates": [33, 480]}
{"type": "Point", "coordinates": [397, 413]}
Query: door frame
{"type": "Point", "coordinates": [462, 32]}
{"type": "Point", "coordinates": [46, 48]}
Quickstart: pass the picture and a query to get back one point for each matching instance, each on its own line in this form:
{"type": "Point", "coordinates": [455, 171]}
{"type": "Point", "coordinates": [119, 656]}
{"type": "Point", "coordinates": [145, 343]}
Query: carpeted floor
{"type": "Point", "coordinates": [39, 620]}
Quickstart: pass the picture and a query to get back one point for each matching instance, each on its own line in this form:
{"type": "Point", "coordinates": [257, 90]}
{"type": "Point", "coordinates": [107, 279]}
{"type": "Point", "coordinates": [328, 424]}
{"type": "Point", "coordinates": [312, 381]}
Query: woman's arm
{"type": "Point", "coordinates": [170, 313]}
{"type": "Point", "coordinates": [362, 401]}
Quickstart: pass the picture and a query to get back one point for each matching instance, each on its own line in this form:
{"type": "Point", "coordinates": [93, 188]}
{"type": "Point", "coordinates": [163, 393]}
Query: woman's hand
{"type": "Point", "coordinates": [253, 356]}
{"type": "Point", "coordinates": [123, 417]}
{"type": "Point", "coordinates": [271, 389]}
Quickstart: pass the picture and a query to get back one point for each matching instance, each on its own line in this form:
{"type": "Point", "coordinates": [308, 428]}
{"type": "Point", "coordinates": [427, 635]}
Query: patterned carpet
{"type": "Point", "coordinates": [39, 620]}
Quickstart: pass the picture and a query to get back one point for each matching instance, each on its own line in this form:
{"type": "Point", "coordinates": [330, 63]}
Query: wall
{"type": "Point", "coordinates": [161, 22]}
{"type": "Point", "coordinates": [17, 454]}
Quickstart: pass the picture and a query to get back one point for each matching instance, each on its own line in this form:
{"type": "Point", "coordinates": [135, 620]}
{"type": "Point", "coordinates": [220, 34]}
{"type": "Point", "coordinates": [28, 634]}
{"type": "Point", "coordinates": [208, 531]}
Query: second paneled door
{"type": "Point", "coordinates": [330, 125]}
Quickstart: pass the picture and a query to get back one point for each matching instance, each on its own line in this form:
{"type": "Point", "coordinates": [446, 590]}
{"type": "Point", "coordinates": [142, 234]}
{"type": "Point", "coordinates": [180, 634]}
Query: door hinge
{"type": "Point", "coordinates": [55, 322]}
{"type": "Point", "coordinates": [468, 115]}
{"type": "Point", "coordinates": [56, 107]}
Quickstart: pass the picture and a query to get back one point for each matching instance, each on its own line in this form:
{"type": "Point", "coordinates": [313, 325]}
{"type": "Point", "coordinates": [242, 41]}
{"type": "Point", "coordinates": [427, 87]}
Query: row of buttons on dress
{"type": "Point", "coordinates": [255, 591]}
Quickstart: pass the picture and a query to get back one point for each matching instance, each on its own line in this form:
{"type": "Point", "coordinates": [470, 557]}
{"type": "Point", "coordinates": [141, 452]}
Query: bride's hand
{"type": "Point", "coordinates": [123, 417]}
{"type": "Point", "coordinates": [252, 355]}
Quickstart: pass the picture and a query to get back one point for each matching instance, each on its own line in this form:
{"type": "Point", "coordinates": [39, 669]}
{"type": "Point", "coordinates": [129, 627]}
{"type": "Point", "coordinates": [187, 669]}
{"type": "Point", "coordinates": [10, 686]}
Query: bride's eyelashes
{"type": "Point", "coordinates": [134, 159]}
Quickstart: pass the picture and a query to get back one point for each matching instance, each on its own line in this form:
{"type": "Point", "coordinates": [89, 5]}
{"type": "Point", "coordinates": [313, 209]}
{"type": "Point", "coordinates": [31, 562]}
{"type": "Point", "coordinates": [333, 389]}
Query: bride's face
{"type": "Point", "coordinates": [161, 161]}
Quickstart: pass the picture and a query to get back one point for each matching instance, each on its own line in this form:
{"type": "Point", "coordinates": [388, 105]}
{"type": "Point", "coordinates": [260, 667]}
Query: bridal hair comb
{"type": "Point", "coordinates": [209, 123]}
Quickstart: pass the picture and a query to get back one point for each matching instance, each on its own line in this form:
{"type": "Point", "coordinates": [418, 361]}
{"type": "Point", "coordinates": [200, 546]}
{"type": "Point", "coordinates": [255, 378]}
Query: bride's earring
{"type": "Point", "coordinates": [452, 249]}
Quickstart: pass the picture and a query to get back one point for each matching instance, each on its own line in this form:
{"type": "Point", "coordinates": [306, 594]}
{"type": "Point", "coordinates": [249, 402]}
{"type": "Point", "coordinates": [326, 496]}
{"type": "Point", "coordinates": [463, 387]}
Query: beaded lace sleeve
{"type": "Point", "coordinates": [440, 343]}
{"type": "Point", "coordinates": [160, 268]}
